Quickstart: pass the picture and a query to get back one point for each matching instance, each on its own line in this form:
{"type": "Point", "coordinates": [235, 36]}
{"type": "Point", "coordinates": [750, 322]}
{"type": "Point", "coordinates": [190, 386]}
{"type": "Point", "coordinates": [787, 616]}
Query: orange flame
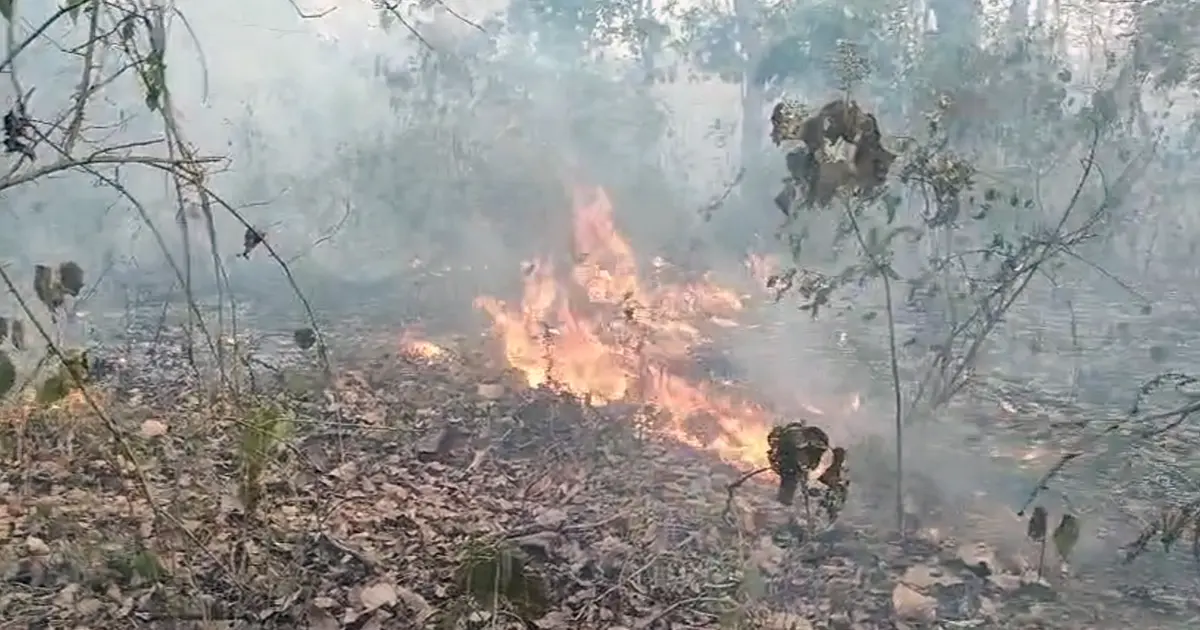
{"type": "Point", "coordinates": [601, 333]}
{"type": "Point", "coordinates": [411, 345]}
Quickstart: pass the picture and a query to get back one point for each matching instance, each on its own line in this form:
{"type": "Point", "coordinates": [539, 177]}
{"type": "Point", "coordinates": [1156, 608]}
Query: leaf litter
{"type": "Point", "coordinates": [419, 493]}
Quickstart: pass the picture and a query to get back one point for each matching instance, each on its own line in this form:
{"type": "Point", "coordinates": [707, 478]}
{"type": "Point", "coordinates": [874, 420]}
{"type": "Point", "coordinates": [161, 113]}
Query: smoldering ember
{"type": "Point", "coordinates": [614, 316]}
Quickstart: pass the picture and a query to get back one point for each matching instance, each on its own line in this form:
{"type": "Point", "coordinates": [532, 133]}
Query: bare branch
{"type": "Point", "coordinates": [311, 16]}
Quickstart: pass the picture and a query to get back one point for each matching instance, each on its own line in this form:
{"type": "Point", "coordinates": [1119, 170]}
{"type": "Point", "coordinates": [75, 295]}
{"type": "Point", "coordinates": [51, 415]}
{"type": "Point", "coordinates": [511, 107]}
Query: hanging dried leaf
{"type": "Point", "coordinates": [833, 476]}
{"type": "Point", "coordinates": [8, 374]}
{"type": "Point", "coordinates": [1037, 525]}
{"type": "Point", "coordinates": [304, 337]}
{"type": "Point", "coordinates": [17, 334]}
{"type": "Point", "coordinates": [3, 329]}
{"type": "Point", "coordinates": [793, 450]}
{"type": "Point", "coordinates": [1066, 535]}
{"type": "Point", "coordinates": [251, 239]}
{"type": "Point", "coordinates": [70, 276]}
{"type": "Point", "coordinates": [46, 287]}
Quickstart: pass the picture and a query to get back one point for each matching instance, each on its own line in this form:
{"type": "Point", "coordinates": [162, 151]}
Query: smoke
{"type": "Point", "coordinates": [374, 163]}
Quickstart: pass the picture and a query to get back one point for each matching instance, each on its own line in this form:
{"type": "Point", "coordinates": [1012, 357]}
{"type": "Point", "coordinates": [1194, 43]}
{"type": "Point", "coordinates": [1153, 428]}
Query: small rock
{"type": "Point", "coordinates": [908, 604]}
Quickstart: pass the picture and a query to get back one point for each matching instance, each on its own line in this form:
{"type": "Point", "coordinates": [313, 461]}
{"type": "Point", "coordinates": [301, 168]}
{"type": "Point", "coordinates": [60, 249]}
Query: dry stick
{"type": "Point", "coordinates": [222, 278]}
{"type": "Point", "coordinates": [83, 92]}
{"type": "Point", "coordinates": [391, 8]}
{"type": "Point", "coordinates": [174, 143]}
{"type": "Point", "coordinates": [642, 569]}
{"type": "Point", "coordinates": [737, 484]}
{"type": "Point", "coordinates": [650, 621]}
{"type": "Point", "coordinates": [322, 348]}
{"type": "Point", "coordinates": [37, 32]}
{"type": "Point", "coordinates": [115, 431]}
{"type": "Point", "coordinates": [898, 399]}
{"type": "Point", "coordinates": [1008, 292]}
{"type": "Point", "coordinates": [72, 163]}
{"type": "Point", "coordinates": [1041, 557]}
{"type": "Point", "coordinates": [311, 16]}
{"type": "Point", "coordinates": [460, 17]}
{"type": "Point", "coordinates": [329, 234]}
{"type": "Point", "coordinates": [154, 231]}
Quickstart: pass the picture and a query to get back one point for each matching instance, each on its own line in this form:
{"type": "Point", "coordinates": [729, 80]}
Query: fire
{"type": "Point", "coordinates": [599, 331]}
{"type": "Point", "coordinates": [411, 345]}
{"type": "Point", "coordinates": [762, 267]}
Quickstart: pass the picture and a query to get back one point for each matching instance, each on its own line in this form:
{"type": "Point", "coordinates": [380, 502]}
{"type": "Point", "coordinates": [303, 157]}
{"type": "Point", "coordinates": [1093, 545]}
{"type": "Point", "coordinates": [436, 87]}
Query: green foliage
{"type": "Point", "coordinates": [74, 369]}
{"type": "Point", "coordinates": [264, 428]}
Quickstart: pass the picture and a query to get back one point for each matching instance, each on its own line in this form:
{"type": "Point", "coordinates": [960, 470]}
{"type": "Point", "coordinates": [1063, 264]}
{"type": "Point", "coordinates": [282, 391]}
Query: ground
{"type": "Point", "coordinates": [420, 491]}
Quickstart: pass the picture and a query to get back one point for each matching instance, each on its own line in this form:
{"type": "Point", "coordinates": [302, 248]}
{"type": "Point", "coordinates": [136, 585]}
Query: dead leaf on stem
{"type": "Point", "coordinates": [251, 239]}
{"type": "Point", "coordinates": [1066, 535]}
{"type": "Point", "coordinates": [47, 287]}
{"type": "Point", "coordinates": [1037, 525]}
{"type": "Point", "coordinates": [70, 276]}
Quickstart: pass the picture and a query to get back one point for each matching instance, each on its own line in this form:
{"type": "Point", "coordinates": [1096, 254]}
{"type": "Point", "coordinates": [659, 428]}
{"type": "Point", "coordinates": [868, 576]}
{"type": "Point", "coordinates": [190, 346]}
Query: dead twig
{"type": "Point", "coordinates": [737, 484]}
{"type": "Point", "coordinates": [304, 15]}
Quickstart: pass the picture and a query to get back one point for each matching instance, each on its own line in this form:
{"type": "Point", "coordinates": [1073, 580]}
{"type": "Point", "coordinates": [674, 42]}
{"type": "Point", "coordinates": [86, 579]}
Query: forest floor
{"type": "Point", "coordinates": [435, 492]}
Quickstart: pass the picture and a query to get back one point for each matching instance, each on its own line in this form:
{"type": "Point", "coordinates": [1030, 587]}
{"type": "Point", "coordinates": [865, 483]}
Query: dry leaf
{"type": "Point", "coordinates": [1037, 525]}
{"type": "Point", "coordinates": [1066, 535]}
{"type": "Point", "coordinates": [320, 619]}
{"type": "Point", "coordinates": [89, 607]}
{"type": "Point", "coordinates": [909, 604]}
{"type": "Point", "coordinates": [46, 287]}
{"type": "Point", "coordinates": [70, 277]}
{"type": "Point", "coordinates": [251, 239]}
{"type": "Point", "coordinates": [417, 606]}
{"type": "Point", "coordinates": [153, 428]}
{"type": "Point", "coordinates": [786, 621]}
{"type": "Point", "coordinates": [551, 518]}
{"type": "Point", "coordinates": [35, 546]}
{"type": "Point", "coordinates": [554, 620]}
{"type": "Point", "coordinates": [490, 391]}
{"type": "Point", "coordinates": [377, 595]}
